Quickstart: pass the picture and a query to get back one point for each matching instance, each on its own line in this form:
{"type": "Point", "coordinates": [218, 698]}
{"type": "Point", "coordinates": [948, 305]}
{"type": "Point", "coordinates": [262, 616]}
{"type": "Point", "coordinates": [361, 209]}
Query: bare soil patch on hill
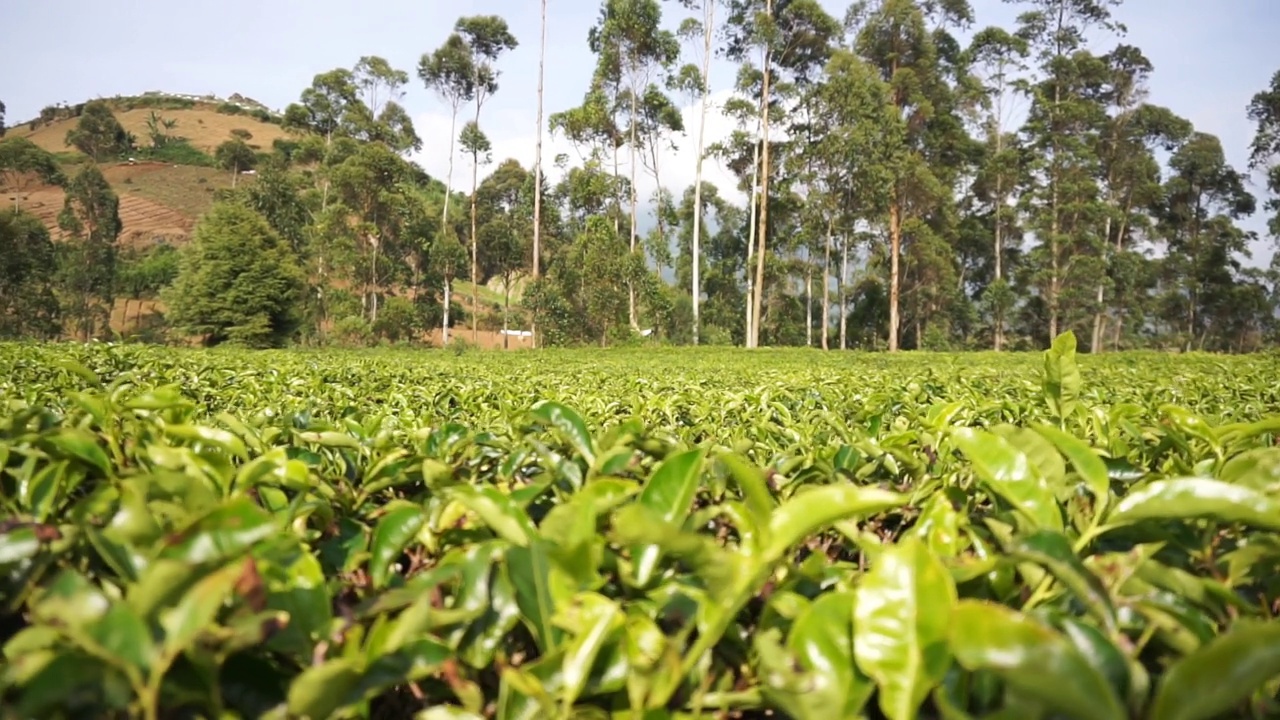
{"type": "Point", "coordinates": [158, 202]}
{"type": "Point", "coordinates": [204, 128]}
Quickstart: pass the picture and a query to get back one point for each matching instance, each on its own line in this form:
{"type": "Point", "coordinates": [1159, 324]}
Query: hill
{"type": "Point", "coordinates": [204, 127]}
{"type": "Point", "coordinates": [204, 121]}
{"type": "Point", "coordinates": [159, 201]}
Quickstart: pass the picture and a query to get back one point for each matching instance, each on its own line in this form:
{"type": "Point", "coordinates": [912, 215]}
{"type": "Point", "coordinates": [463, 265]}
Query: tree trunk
{"type": "Point", "coordinates": [475, 253]}
{"type": "Point", "coordinates": [709, 10]}
{"type": "Point", "coordinates": [632, 316]}
{"type": "Point", "coordinates": [826, 289]}
{"type": "Point", "coordinates": [808, 303]}
{"type": "Point", "coordinates": [997, 342]}
{"type": "Point", "coordinates": [895, 246]}
{"type": "Point", "coordinates": [1054, 222]}
{"type": "Point", "coordinates": [506, 310]}
{"type": "Point", "coordinates": [537, 174]}
{"type": "Point", "coordinates": [444, 326]}
{"type": "Point", "coordinates": [749, 340]}
{"type": "Point", "coordinates": [840, 290]}
{"type": "Point", "coordinates": [762, 231]}
{"type": "Point", "coordinates": [448, 178]}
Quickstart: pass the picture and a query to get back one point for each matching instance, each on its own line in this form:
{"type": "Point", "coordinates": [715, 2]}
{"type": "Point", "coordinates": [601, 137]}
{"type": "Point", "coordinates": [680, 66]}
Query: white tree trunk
{"type": "Point", "coordinates": [444, 327]}
{"type": "Point", "coordinates": [840, 291]}
{"type": "Point", "coordinates": [709, 9]}
{"type": "Point", "coordinates": [537, 171]}
{"type": "Point", "coordinates": [751, 242]}
{"type": "Point", "coordinates": [808, 302]}
{"type": "Point", "coordinates": [826, 290]}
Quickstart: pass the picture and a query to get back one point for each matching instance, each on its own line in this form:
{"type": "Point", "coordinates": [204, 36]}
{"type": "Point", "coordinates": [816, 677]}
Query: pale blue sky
{"type": "Point", "coordinates": [1210, 57]}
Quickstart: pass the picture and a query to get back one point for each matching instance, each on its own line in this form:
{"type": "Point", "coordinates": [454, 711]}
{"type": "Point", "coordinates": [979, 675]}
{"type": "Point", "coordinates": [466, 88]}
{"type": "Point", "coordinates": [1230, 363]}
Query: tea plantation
{"type": "Point", "coordinates": [638, 534]}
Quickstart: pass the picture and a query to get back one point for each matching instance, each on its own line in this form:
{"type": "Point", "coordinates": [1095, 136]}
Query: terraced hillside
{"type": "Point", "coordinates": [158, 202]}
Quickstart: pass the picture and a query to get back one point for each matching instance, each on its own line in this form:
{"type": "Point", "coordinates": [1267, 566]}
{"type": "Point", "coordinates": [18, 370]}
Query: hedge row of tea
{"type": "Point", "coordinates": [638, 535]}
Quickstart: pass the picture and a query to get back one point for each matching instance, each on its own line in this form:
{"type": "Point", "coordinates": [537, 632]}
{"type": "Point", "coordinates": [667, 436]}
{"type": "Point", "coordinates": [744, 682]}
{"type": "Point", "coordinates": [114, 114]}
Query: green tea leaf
{"type": "Point", "coordinates": [198, 607]}
{"type": "Point", "coordinates": [1062, 380]}
{"type": "Point", "coordinates": [1008, 473]}
{"type": "Point", "coordinates": [221, 534]}
{"type": "Point", "coordinates": [902, 616]}
{"type": "Point", "coordinates": [594, 620]}
{"type": "Point", "coordinates": [397, 528]}
{"type": "Point", "coordinates": [1053, 552]}
{"type": "Point", "coordinates": [822, 638]}
{"type": "Point", "coordinates": [1032, 659]}
{"type": "Point", "coordinates": [1197, 499]}
{"type": "Point", "coordinates": [321, 689]}
{"type": "Point", "coordinates": [812, 511]}
{"type": "Point", "coordinates": [503, 516]}
{"type": "Point", "coordinates": [1221, 675]}
{"type": "Point", "coordinates": [1087, 465]}
{"type": "Point", "coordinates": [82, 445]}
{"type": "Point", "coordinates": [570, 424]}
{"type": "Point", "coordinates": [669, 494]}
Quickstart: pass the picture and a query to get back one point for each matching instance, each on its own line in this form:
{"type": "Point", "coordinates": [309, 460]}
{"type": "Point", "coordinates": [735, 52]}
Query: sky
{"type": "Point", "coordinates": [1210, 57]}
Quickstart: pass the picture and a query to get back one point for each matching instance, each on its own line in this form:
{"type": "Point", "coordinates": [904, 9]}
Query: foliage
{"type": "Point", "coordinates": [145, 273]}
{"type": "Point", "coordinates": [87, 259]}
{"type": "Point", "coordinates": [235, 156]}
{"type": "Point", "coordinates": [99, 134]}
{"type": "Point", "coordinates": [372, 535]}
{"type": "Point", "coordinates": [28, 304]}
{"type": "Point", "coordinates": [911, 178]}
{"type": "Point", "coordinates": [19, 156]}
{"type": "Point", "coordinates": [237, 281]}
{"type": "Point", "coordinates": [177, 151]}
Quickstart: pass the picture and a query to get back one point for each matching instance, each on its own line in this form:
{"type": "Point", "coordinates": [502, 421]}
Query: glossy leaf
{"type": "Point", "coordinates": [1062, 379]}
{"type": "Point", "coordinates": [1221, 675]}
{"type": "Point", "coordinates": [902, 616]}
{"type": "Point", "coordinates": [814, 510]}
{"type": "Point", "coordinates": [507, 520]}
{"type": "Point", "coordinates": [1054, 552]}
{"type": "Point", "coordinates": [1032, 659]}
{"type": "Point", "coordinates": [570, 424]}
{"type": "Point", "coordinates": [1006, 471]}
{"type": "Point", "coordinates": [397, 528]}
{"type": "Point", "coordinates": [1194, 499]}
{"type": "Point", "coordinates": [669, 495]}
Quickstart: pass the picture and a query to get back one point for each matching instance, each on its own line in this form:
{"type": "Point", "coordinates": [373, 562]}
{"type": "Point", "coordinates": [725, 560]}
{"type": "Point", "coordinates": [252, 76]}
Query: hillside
{"type": "Point", "coordinates": [158, 200]}
{"type": "Point", "coordinates": [161, 201]}
{"type": "Point", "coordinates": [204, 122]}
{"type": "Point", "coordinates": [203, 126]}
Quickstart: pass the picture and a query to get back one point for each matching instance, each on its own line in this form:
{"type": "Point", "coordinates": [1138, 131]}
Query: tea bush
{"type": "Point", "coordinates": [638, 534]}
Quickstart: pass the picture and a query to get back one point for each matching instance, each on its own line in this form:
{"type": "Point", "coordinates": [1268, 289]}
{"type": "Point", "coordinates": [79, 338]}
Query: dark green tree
{"type": "Point", "coordinates": [87, 258]}
{"type": "Point", "coordinates": [99, 134]}
{"type": "Point", "coordinates": [1264, 152]}
{"type": "Point", "coordinates": [237, 283]}
{"type": "Point", "coordinates": [21, 158]}
{"type": "Point", "coordinates": [28, 305]}
{"type": "Point", "coordinates": [142, 274]}
{"type": "Point", "coordinates": [235, 156]}
{"type": "Point", "coordinates": [1200, 204]}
